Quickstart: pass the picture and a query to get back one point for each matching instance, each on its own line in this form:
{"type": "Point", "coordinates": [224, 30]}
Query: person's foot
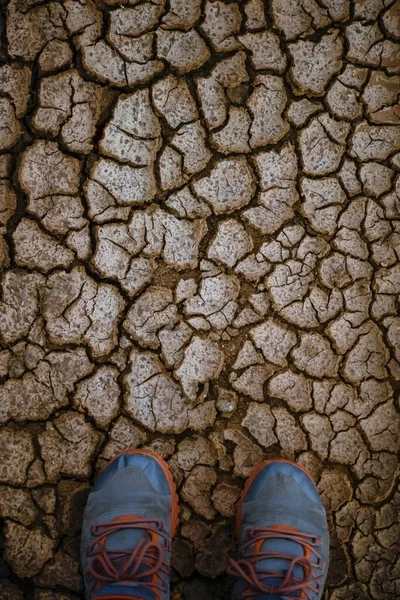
{"type": "Point", "coordinates": [283, 536]}
{"type": "Point", "coordinates": [130, 518]}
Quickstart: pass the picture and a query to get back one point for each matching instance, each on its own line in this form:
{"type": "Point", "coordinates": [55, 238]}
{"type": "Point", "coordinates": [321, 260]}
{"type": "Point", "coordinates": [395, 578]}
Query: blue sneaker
{"type": "Point", "coordinates": [130, 518]}
{"type": "Point", "coordinates": [283, 536]}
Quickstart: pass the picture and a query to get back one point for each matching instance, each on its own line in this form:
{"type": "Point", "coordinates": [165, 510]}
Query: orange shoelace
{"type": "Point", "coordinates": [246, 568]}
{"type": "Point", "coordinates": [145, 564]}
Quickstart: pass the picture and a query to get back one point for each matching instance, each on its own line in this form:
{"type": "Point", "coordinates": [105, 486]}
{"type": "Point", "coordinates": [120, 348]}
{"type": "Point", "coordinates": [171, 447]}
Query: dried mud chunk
{"type": "Point", "coordinates": [127, 185]}
{"type": "Point", "coordinates": [189, 140]}
{"type": "Point", "coordinates": [300, 111]}
{"type": "Point", "coordinates": [315, 356]}
{"type": "Point", "coordinates": [138, 51]}
{"type": "Point", "coordinates": [376, 179]}
{"type": "Point", "coordinates": [83, 21]}
{"type": "Point", "coordinates": [234, 137]}
{"type": "Point", "coordinates": [68, 446]}
{"type": "Point", "coordinates": [221, 25]}
{"type": "Point", "coordinates": [265, 51]}
{"type": "Point", "coordinates": [231, 72]}
{"type": "Point", "coordinates": [182, 14]}
{"type": "Point", "coordinates": [8, 201]}
{"type": "Point", "coordinates": [14, 82]}
{"type": "Point", "coordinates": [387, 281]}
{"type": "Point", "coordinates": [230, 244]}
{"type": "Point", "coordinates": [267, 104]}
{"type": "Point", "coordinates": [292, 388]}
{"type": "Point", "coordinates": [63, 570]}
{"type": "Point", "coordinates": [320, 154]}
{"type": "Point", "coordinates": [17, 504]}
{"type": "Point", "coordinates": [183, 50]}
{"type": "Point", "coordinates": [58, 213]}
{"type": "Point", "coordinates": [20, 305]}
{"type": "Point", "coordinates": [102, 206]}
{"type": "Point", "coordinates": [29, 30]}
{"type": "Point", "coordinates": [368, 10]}
{"type": "Point", "coordinates": [173, 100]}
{"type": "Point", "coordinates": [99, 395]}
{"type": "Point", "coordinates": [290, 436]}
{"type": "Point", "coordinates": [37, 250]}
{"type": "Point", "coordinates": [367, 358]}
{"type": "Point", "coordinates": [323, 202]}
{"type": "Point", "coordinates": [229, 186]}
{"type": "Point", "coordinates": [344, 101]}
{"type": "Point", "coordinates": [288, 283]}
{"type": "Point", "coordinates": [133, 133]}
{"type": "Point", "coordinates": [171, 169]}
{"type": "Point", "coordinates": [315, 63]}
{"type": "Point", "coordinates": [225, 497]}
{"type": "Point", "coordinates": [251, 382]}
{"type": "Point", "coordinates": [132, 273]}
{"type": "Point", "coordinates": [320, 432]}
{"type": "Point", "coordinates": [277, 169]}
{"type": "Point", "coordinates": [366, 46]}
{"type": "Point", "coordinates": [10, 128]}
{"type": "Point", "coordinates": [261, 423]}
{"type": "Point", "coordinates": [45, 170]}
{"type": "Point", "coordinates": [380, 95]}
{"type": "Point", "coordinates": [50, 595]}
{"type": "Point", "coordinates": [55, 56]}
{"type": "Point", "coordinates": [255, 16]}
{"type": "Point", "coordinates": [350, 242]}
{"type": "Point", "coordinates": [197, 489]}
{"type": "Point", "coordinates": [26, 550]}
{"type": "Point", "coordinates": [186, 205]}
{"type": "Point", "coordinates": [382, 428]}
{"type": "Point", "coordinates": [76, 309]}
{"type": "Point", "coordinates": [195, 451]}
{"type": "Point", "coordinates": [274, 341]}
{"type": "Point", "coordinates": [152, 397]}
{"type": "Point", "coordinates": [294, 19]}
{"type": "Point", "coordinates": [181, 239]}
{"type": "Point", "coordinates": [216, 300]}
{"type": "Point", "coordinates": [335, 489]}
{"type": "Point", "coordinates": [123, 435]}
{"type": "Point", "coordinates": [348, 179]}
{"type": "Point", "coordinates": [17, 455]}
{"type": "Point", "coordinates": [371, 142]}
{"type": "Point", "coordinates": [247, 356]}
{"type": "Point", "coordinates": [137, 20]}
{"type": "Point", "coordinates": [246, 455]}
{"type": "Point", "coordinates": [70, 107]}
{"type": "Point", "coordinates": [346, 446]}
{"type": "Point", "coordinates": [391, 20]}
{"type": "Point", "coordinates": [202, 362]}
{"type": "Point", "coordinates": [153, 310]}
{"type": "Point", "coordinates": [80, 243]}
{"type": "Point", "coordinates": [44, 389]}
{"type": "Point", "coordinates": [213, 101]}
{"type": "Point", "coordinates": [106, 64]}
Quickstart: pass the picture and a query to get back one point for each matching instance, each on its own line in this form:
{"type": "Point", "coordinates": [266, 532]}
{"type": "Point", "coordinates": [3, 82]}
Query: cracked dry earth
{"type": "Point", "coordinates": [199, 248]}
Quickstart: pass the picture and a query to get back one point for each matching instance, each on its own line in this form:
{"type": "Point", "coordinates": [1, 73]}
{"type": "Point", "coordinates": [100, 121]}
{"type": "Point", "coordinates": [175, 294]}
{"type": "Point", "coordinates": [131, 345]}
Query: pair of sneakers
{"type": "Point", "coordinates": [132, 514]}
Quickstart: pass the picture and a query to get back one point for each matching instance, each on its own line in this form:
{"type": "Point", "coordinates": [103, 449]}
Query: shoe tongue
{"type": "Point", "coordinates": [129, 591]}
{"type": "Point", "coordinates": [126, 539]}
{"type": "Point", "coordinates": [279, 565]}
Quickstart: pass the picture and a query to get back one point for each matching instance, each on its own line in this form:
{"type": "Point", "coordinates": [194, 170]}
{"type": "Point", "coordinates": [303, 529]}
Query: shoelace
{"type": "Point", "coordinates": [246, 567]}
{"type": "Point", "coordinates": [145, 561]}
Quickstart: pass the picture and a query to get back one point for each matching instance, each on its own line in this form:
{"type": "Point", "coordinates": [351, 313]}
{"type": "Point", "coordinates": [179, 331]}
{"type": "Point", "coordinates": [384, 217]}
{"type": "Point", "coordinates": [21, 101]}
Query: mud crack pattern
{"type": "Point", "coordinates": [200, 254]}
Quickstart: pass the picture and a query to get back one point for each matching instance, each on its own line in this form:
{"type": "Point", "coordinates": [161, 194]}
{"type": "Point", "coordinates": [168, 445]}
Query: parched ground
{"type": "Point", "coordinates": [200, 254]}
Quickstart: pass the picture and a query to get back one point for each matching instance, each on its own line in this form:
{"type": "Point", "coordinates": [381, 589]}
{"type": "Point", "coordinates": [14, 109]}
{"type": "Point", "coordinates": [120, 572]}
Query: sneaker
{"type": "Point", "coordinates": [283, 536]}
{"type": "Point", "coordinates": [130, 518]}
